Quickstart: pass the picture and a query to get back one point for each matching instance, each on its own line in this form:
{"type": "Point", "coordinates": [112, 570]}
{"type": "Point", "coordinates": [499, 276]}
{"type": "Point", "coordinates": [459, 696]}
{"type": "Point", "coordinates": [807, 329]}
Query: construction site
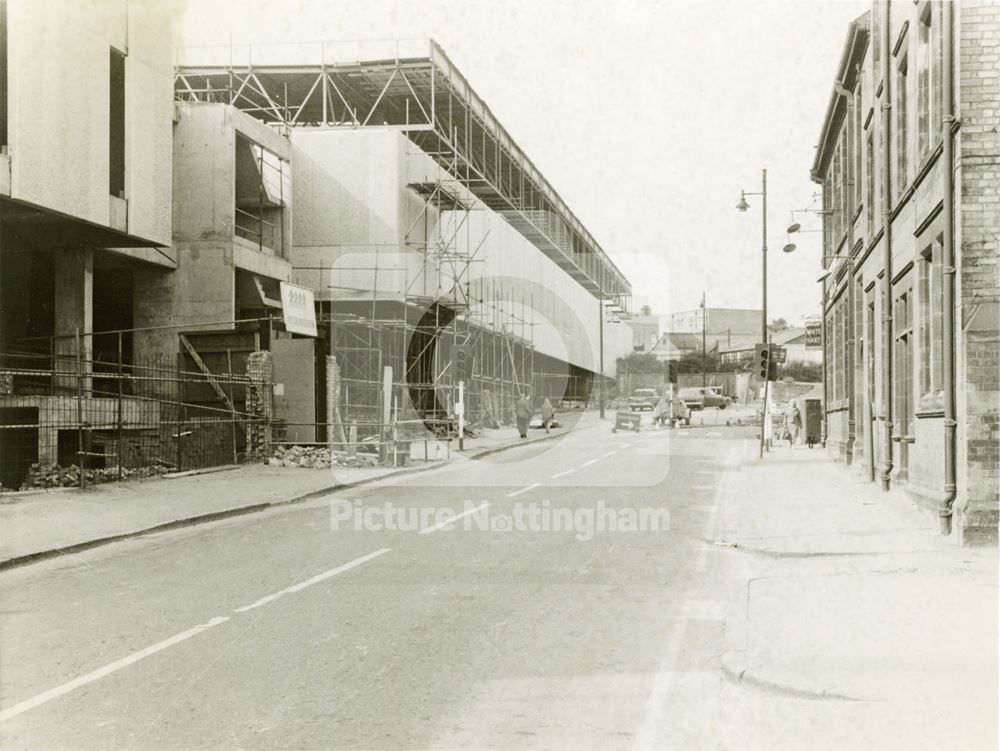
{"type": "Point", "coordinates": [333, 245]}
{"type": "Point", "coordinates": [436, 252]}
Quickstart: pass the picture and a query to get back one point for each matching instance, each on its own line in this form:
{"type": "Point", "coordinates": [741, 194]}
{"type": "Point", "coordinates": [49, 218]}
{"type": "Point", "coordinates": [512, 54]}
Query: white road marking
{"type": "Point", "coordinates": [587, 464]}
{"type": "Point", "coordinates": [525, 489]}
{"type": "Point", "coordinates": [612, 453]}
{"type": "Point", "coordinates": [261, 601]}
{"type": "Point", "coordinates": [117, 665]}
{"type": "Point", "coordinates": [108, 669]}
{"type": "Point", "coordinates": [452, 520]}
{"type": "Point", "coordinates": [314, 580]}
{"type": "Point", "coordinates": [334, 571]}
{"type": "Point", "coordinates": [564, 473]}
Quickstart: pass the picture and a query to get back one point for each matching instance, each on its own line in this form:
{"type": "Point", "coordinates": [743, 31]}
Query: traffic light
{"type": "Point", "coordinates": [670, 372]}
{"type": "Point", "coordinates": [762, 362]}
{"type": "Point", "coordinates": [463, 362]}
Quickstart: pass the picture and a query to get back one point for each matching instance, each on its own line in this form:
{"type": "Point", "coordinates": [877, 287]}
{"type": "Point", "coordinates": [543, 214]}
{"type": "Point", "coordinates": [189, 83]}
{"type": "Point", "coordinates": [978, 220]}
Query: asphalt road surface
{"type": "Point", "coordinates": [279, 630]}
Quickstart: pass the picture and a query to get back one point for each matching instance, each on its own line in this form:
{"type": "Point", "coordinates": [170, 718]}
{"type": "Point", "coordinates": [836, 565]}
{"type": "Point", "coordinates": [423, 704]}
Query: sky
{"type": "Point", "coordinates": [648, 118]}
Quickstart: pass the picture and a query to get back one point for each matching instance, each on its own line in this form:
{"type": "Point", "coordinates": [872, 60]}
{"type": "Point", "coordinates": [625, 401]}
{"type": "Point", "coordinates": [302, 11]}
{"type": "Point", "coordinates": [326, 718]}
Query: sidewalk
{"type": "Point", "coordinates": [846, 593]}
{"type": "Point", "coordinates": [42, 524]}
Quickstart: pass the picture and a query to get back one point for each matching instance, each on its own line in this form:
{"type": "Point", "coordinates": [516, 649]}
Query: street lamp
{"type": "Point", "coordinates": [742, 205]}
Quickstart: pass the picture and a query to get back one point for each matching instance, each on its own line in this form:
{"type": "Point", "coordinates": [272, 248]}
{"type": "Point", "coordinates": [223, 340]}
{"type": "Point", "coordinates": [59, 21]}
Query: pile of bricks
{"type": "Point", "coordinates": [318, 458]}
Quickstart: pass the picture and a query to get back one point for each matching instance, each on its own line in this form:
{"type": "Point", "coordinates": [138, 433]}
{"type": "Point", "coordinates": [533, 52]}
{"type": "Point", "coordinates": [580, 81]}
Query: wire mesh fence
{"type": "Point", "coordinates": [77, 417]}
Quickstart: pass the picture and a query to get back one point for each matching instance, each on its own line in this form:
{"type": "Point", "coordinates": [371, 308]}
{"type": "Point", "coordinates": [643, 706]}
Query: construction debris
{"type": "Point", "coordinates": [54, 476]}
{"type": "Point", "coordinates": [318, 457]}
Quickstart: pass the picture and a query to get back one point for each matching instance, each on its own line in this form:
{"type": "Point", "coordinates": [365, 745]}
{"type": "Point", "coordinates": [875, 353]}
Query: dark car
{"type": "Point", "coordinates": [643, 400]}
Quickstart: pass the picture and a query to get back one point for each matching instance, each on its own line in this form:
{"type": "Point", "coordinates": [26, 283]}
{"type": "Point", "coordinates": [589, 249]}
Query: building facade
{"type": "Point", "coordinates": [909, 162]}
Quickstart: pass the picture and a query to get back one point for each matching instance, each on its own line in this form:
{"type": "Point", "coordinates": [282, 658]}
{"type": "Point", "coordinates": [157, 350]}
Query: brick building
{"type": "Point", "coordinates": [909, 161]}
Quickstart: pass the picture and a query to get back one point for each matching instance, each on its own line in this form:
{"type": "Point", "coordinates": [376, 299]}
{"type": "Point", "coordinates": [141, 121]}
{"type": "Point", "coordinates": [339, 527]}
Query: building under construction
{"type": "Point", "coordinates": [431, 243]}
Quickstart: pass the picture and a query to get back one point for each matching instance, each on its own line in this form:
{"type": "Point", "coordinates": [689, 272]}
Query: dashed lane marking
{"type": "Point", "coordinates": [525, 489]}
{"type": "Point", "coordinates": [108, 669]}
{"type": "Point", "coordinates": [587, 464]}
{"type": "Point", "coordinates": [564, 473]}
{"type": "Point", "coordinates": [452, 520]}
{"type": "Point", "coordinates": [113, 667]}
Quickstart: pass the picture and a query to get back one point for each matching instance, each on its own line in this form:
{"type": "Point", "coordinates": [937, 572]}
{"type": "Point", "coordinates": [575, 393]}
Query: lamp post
{"type": "Point", "coordinates": [600, 377]}
{"type": "Point", "coordinates": [742, 205]}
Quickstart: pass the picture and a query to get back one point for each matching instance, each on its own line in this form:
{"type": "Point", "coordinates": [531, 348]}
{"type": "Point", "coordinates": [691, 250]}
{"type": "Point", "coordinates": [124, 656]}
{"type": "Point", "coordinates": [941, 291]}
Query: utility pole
{"type": "Point", "coordinates": [704, 315]}
{"type": "Point", "coordinates": [600, 377]}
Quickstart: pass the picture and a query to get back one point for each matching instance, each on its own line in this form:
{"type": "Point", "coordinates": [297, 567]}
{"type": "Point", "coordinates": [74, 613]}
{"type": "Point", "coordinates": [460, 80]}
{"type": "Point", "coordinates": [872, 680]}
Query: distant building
{"type": "Point", "coordinates": [718, 321]}
{"type": "Point", "coordinates": [646, 329]}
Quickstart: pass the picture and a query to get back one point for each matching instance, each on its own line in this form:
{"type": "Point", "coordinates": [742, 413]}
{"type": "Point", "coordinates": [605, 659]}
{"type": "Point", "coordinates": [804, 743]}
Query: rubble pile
{"type": "Point", "coordinates": [54, 476]}
{"type": "Point", "coordinates": [318, 457]}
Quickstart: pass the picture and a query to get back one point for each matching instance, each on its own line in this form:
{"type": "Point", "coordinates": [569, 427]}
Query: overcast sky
{"type": "Point", "coordinates": [646, 117]}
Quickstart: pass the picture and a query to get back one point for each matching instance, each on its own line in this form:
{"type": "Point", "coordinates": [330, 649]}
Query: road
{"type": "Point", "coordinates": [277, 630]}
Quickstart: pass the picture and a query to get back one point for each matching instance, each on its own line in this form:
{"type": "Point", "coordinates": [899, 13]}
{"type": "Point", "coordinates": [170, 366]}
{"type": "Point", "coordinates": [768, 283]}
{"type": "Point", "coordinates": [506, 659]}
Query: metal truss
{"type": "Point", "coordinates": [417, 88]}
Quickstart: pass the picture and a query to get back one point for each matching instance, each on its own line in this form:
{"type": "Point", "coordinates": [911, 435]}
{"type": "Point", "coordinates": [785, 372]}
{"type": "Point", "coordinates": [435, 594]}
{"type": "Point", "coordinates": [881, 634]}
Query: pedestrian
{"type": "Point", "coordinates": [547, 413]}
{"type": "Point", "coordinates": [796, 423]}
{"type": "Point", "coordinates": [523, 412]}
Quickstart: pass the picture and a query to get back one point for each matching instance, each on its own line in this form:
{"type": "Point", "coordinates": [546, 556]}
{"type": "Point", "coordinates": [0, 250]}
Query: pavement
{"type": "Point", "coordinates": [44, 523]}
{"type": "Point", "coordinates": [786, 604]}
{"type": "Point", "coordinates": [852, 617]}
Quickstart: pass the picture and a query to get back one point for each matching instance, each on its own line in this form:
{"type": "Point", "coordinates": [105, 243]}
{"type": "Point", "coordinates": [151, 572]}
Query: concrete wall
{"type": "Point", "coordinates": [59, 109]}
{"type": "Point", "coordinates": [356, 217]}
{"type": "Point", "coordinates": [203, 287]}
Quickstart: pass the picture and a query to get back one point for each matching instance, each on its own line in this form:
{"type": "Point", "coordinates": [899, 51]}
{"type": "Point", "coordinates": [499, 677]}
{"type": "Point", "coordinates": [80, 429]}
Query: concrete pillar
{"type": "Point", "coordinates": [74, 309]}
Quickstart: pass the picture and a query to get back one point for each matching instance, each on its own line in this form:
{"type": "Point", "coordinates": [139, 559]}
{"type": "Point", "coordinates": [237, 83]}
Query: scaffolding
{"type": "Point", "coordinates": [414, 86]}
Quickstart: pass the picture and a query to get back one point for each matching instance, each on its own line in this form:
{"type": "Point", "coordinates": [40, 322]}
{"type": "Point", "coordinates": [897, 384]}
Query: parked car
{"type": "Point", "coordinates": [700, 397]}
{"type": "Point", "coordinates": [694, 398]}
{"type": "Point", "coordinates": [642, 400]}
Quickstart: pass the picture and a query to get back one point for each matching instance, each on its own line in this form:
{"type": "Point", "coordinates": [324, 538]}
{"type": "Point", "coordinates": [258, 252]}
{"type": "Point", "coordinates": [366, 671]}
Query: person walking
{"type": "Point", "coordinates": [547, 413]}
{"type": "Point", "coordinates": [523, 411]}
{"type": "Point", "coordinates": [796, 424]}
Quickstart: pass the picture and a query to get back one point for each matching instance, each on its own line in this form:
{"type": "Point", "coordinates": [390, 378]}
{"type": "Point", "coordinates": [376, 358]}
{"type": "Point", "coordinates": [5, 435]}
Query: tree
{"type": "Point", "coordinates": [804, 372]}
{"type": "Point", "coordinates": [640, 362]}
{"type": "Point", "coordinates": [778, 324]}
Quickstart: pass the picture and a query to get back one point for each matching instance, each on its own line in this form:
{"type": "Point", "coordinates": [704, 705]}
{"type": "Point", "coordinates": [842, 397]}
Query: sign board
{"type": "Point", "coordinates": [814, 334]}
{"type": "Point", "coordinates": [298, 310]}
{"type": "Point", "coordinates": [778, 354]}
{"type": "Point", "coordinates": [626, 421]}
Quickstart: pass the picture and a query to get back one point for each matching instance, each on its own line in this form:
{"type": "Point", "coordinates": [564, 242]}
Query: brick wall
{"type": "Point", "coordinates": [978, 25]}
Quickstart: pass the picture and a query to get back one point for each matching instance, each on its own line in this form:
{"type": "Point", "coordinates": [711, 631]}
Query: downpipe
{"type": "Point", "coordinates": [851, 333]}
{"type": "Point", "coordinates": [948, 275]}
{"type": "Point", "coordinates": [887, 351]}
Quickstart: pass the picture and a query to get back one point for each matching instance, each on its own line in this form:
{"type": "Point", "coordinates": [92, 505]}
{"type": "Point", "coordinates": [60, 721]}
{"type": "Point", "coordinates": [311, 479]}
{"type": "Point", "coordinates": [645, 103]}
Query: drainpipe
{"type": "Point", "coordinates": [887, 406]}
{"type": "Point", "coordinates": [948, 273]}
{"type": "Point", "coordinates": [851, 420]}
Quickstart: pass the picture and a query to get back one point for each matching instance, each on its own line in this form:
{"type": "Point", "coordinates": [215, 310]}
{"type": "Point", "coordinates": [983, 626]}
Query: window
{"type": "Point", "coordinates": [870, 205]}
{"type": "Point", "coordinates": [116, 131]}
{"type": "Point", "coordinates": [836, 349]}
{"type": "Point", "coordinates": [903, 362]}
{"type": "Point", "coordinates": [876, 40]}
{"type": "Point", "coordinates": [937, 72]}
{"type": "Point", "coordinates": [838, 179]}
{"type": "Point", "coordinates": [931, 318]}
{"type": "Point", "coordinates": [262, 188]}
{"type": "Point", "coordinates": [902, 166]}
{"type": "Point", "coordinates": [856, 148]}
{"type": "Point", "coordinates": [924, 116]}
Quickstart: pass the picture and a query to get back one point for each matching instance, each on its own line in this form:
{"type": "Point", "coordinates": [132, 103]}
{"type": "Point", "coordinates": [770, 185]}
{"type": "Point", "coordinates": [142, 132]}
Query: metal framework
{"type": "Point", "coordinates": [415, 86]}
